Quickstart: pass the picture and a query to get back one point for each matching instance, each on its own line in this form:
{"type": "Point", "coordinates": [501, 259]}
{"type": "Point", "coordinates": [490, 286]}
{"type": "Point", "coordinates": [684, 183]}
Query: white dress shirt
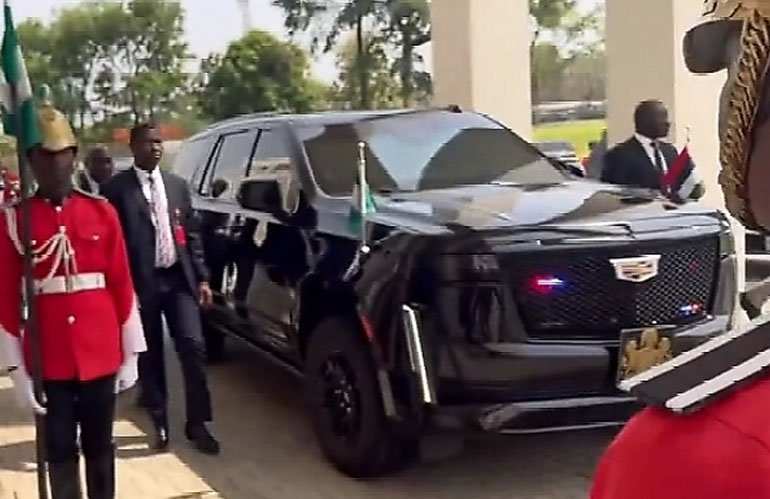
{"type": "Point", "coordinates": [646, 143]}
{"type": "Point", "coordinates": [160, 215]}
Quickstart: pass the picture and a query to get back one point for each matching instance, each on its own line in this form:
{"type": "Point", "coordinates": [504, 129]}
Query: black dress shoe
{"type": "Point", "coordinates": [160, 438]}
{"type": "Point", "coordinates": [204, 441]}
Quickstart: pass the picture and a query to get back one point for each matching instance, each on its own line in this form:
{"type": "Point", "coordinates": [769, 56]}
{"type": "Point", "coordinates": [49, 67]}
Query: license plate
{"type": "Point", "coordinates": [641, 350]}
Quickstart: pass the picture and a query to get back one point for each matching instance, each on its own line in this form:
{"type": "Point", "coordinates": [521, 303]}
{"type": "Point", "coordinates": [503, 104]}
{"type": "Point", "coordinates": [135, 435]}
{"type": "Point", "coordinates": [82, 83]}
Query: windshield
{"type": "Point", "coordinates": [421, 151]}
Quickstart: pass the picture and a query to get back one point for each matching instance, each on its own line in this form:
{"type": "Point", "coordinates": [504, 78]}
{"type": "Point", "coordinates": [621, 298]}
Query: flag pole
{"type": "Point", "coordinates": [361, 199]}
{"type": "Point", "coordinates": [363, 194]}
{"type": "Point", "coordinates": [29, 315]}
{"type": "Point", "coordinates": [28, 312]}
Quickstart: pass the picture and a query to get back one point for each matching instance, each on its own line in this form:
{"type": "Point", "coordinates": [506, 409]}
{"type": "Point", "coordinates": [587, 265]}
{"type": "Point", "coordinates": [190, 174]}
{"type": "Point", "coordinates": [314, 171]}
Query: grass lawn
{"type": "Point", "coordinates": [580, 133]}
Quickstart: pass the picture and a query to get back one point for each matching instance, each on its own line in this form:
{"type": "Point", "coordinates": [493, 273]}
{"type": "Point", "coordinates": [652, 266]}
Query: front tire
{"type": "Point", "coordinates": [345, 403]}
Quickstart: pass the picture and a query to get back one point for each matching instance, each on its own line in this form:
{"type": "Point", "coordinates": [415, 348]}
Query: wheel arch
{"type": "Point", "coordinates": [319, 299]}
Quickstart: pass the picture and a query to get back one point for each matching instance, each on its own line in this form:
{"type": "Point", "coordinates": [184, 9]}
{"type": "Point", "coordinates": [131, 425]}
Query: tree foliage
{"type": "Point", "coordinates": [571, 35]}
{"type": "Point", "coordinates": [379, 26]}
{"type": "Point", "coordinates": [383, 86]}
{"type": "Point", "coordinates": [105, 57]}
{"type": "Point", "coordinates": [258, 73]}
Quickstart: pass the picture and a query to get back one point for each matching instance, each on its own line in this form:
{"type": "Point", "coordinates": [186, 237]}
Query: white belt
{"type": "Point", "coordinates": [70, 284]}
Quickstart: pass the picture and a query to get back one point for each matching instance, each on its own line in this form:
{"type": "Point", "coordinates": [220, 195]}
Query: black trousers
{"type": "Point", "coordinates": [176, 303]}
{"type": "Point", "coordinates": [89, 405]}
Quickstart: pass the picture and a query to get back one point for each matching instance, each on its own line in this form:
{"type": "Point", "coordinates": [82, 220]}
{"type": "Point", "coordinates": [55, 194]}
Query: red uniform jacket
{"type": "Point", "coordinates": [82, 327]}
{"type": "Point", "coordinates": [720, 452]}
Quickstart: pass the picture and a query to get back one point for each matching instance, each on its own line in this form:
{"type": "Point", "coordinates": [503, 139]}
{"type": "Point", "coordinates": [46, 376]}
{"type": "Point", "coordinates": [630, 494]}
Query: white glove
{"type": "Point", "coordinates": [128, 374]}
{"type": "Point", "coordinates": [25, 392]}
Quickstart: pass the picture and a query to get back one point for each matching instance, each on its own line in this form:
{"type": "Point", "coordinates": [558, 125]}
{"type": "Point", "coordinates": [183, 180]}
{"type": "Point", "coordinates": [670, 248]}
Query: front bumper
{"type": "Point", "coordinates": [536, 416]}
{"type": "Point", "coordinates": [505, 397]}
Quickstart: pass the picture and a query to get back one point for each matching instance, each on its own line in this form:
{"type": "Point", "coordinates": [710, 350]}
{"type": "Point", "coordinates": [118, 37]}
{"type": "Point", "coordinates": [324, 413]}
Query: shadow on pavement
{"type": "Point", "coordinates": [269, 450]}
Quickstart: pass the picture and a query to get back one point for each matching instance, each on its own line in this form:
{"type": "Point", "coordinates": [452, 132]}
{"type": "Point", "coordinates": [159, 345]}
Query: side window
{"type": "Point", "coordinates": [232, 157]}
{"type": "Point", "coordinates": [191, 158]}
{"type": "Point", "coordinates": [271, 145]}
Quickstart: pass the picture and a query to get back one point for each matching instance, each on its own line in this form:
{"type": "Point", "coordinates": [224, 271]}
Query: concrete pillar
{"type": "Point", "coordinates": [481, 58]}
{"type": "Point", "coordinates": [644, 61]}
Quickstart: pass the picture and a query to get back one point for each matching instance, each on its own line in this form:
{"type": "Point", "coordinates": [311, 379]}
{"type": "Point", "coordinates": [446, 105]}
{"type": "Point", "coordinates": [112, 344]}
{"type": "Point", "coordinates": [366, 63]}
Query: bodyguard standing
{"type": "Point", "coordinates": [644, 159]}
{"type": "Point", "coordinates": [89, 327]}
{"type": "Point", "coordinates": [171, 279]}
{"type": "Point", "coordinates": [98, 170]}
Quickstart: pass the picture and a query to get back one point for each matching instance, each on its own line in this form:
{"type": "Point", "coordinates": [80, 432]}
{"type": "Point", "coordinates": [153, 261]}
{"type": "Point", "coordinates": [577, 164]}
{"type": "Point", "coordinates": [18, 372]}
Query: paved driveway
{"type": "Point", "coordinates": [269, 452]}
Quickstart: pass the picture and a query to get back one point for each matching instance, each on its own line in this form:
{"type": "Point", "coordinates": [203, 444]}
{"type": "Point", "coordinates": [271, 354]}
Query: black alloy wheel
{"type": "Point", "coordinates": [345, 403]}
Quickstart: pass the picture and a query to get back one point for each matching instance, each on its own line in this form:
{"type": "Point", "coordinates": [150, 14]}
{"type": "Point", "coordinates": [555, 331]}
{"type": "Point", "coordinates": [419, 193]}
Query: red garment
{"type": "Point", "coordinates": [10, 186]}
{"type": "Point", "coordinates": [80, 332]}
{"type": "Point", "coordinates": [720, 452]}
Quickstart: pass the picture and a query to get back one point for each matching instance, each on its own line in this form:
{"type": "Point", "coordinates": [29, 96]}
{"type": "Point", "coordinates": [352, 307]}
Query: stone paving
{"type": "Point", "coordinates": [269, 452]}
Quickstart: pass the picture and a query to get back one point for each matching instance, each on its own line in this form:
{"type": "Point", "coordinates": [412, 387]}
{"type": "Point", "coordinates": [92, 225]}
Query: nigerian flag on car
{"type": "Point", "coordinates": [14, 74]}
{"type": "Point", "coordinates": [361, 199]}
{"type": "Point", "coordinates": [357, 211]}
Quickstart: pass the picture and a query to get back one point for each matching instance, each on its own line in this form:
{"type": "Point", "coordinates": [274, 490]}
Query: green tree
{"type": "Point", "coordinates": [148, 54]}
{"type": "Point", "coordinates": [258, 73]}
{"type": "Point", "coordinates": [77, 50]}
{"type": "Point", "coordinates": [409, 28]}
{"type": "Point", "coordinates": [35, 40]}
{"type": "Point", "coordinates": [383, 86]}
{"type": "Point", "coordinates": [567, 28]}
{"type": "Point", "coordinates": [549, 74]}
{"type": "Point", "coordinates": [584, 77]}
{"type": "Point", "coordinates": [326, 20]}
{"type": "Point", "coordinates": [103, 58]}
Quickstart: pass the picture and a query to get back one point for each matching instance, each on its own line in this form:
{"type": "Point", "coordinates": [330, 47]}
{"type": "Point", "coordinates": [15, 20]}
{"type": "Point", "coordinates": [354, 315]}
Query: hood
{"type": "Point", "coordinates": [573, 203]}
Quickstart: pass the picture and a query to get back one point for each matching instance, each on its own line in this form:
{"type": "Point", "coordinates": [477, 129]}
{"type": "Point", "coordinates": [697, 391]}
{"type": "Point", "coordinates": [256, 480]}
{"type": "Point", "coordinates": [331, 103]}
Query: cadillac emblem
{"type": "Point", "coordinates": [639, 354]}
{"type": "Point", "coordinates": [636, 269]}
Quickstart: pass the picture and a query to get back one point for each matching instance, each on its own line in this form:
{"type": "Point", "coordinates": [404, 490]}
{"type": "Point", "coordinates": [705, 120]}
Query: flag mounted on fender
{"type": "Point", "coordinates": [362, 201]}
{"type": "Point", "coordinates": [14, 72]}
{"type": "Point", "coordinates": [680, 181]}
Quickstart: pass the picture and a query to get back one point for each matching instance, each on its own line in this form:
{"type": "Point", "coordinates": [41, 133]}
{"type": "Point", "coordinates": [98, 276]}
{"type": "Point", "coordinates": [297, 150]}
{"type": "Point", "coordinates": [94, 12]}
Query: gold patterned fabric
{"type": "Point", "coordinates": [735, 9]}
{"type": "Point", "coordinates": [743, 95]}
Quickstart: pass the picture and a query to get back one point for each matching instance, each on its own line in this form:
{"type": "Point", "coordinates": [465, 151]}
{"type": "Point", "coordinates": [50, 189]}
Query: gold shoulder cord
{"type": "Point", "coordinates": [745, 96]}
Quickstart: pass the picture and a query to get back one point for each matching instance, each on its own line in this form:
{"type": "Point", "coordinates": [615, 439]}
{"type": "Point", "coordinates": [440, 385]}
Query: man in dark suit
{"type": "Point", "coordinates": [644, 159]}
{"type": "Point", "coordinates": [98, 170]}
{"type": "Point", "coordinates": [171, 280]}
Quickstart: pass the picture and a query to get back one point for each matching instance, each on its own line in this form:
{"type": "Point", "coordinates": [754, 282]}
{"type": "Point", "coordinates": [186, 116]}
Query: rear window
{"type": "Point", "coordinates": [191, 158]}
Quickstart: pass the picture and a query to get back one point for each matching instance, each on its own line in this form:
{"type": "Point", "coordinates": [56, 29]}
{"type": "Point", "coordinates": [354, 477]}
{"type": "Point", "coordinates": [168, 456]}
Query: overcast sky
{"type": "Point", "coordinates": [210, 29]}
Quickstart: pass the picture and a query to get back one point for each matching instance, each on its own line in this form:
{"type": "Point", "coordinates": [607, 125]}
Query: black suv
{"type": "Point", "coordinates": [491, 292]}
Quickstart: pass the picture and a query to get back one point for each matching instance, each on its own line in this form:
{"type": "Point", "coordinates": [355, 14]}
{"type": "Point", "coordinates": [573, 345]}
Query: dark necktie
{"type": "Point", "coordinates": [659, 165]}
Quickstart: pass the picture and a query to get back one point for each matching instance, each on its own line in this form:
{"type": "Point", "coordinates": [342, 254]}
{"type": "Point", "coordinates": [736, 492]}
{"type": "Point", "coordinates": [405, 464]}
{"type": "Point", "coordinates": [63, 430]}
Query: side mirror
{"type": "Point", "coordinates": [271, 188]}
{"type": "Point", "coordinates": [260, 194]}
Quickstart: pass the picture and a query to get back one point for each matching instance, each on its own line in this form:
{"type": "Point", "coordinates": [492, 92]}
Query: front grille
{"type": "Point", "coordinates": [576, 294]}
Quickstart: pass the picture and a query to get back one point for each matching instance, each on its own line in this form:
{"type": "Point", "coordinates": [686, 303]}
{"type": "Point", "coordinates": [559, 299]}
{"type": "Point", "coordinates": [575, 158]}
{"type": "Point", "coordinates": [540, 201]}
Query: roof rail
{"type": "Point", "coordinates": [245, 117]}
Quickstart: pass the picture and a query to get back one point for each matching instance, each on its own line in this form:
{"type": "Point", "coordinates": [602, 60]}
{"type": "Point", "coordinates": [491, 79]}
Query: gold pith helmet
{"type": "Point", "coordinates": [55, 131]}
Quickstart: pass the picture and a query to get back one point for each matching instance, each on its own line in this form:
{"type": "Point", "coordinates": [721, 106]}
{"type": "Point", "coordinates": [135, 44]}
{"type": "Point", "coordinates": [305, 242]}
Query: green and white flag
{"type": "Point", "coordinates": [358, 212]}
{"type": "Point", "coordinates": [362, 202]}
{"type": "Point", "coordinates": [14, 72]}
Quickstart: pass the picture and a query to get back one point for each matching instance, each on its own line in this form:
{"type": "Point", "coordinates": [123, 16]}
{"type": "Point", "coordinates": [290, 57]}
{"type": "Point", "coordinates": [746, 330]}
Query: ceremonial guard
{"type": "Point", "coordinates": [90, 333]}
{"type": "Point", "coordinates": [706, 433]}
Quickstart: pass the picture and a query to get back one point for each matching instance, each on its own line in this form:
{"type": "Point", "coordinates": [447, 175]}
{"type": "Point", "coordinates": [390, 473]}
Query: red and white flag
{"type": "Point", "coordinates": [680, 180]}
